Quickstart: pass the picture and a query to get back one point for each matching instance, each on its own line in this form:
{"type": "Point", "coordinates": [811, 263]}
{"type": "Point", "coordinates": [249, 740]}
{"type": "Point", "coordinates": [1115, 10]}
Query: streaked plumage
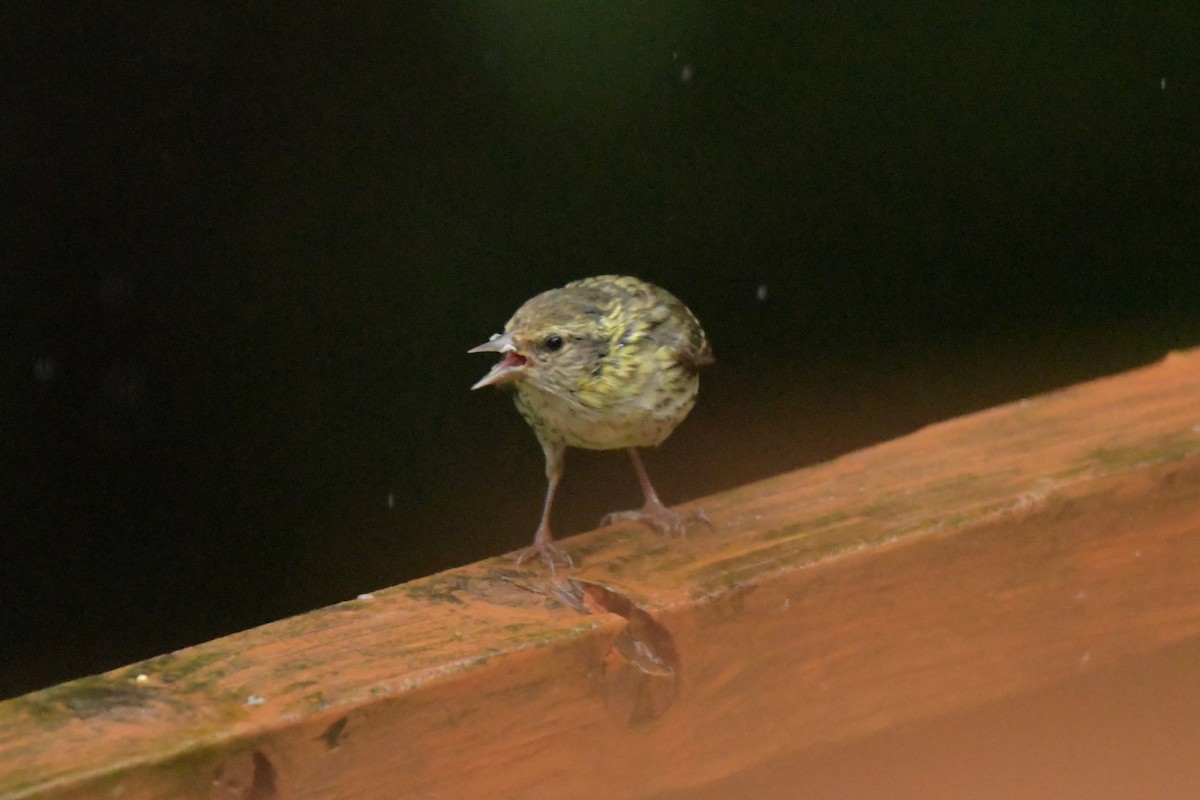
{"type": "Point", "coordinates": [602, 363]}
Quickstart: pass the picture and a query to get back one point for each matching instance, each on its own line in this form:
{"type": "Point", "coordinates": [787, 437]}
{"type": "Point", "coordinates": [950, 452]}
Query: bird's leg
{"type": "Point", "coordinates": [654, 513]}
{"type": "Point", "coordinates": [543, 542]}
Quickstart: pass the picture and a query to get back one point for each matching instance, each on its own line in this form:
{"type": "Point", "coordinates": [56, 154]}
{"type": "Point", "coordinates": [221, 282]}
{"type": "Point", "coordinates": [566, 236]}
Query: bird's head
{"type": "Point", "coordinates": [552, 341]}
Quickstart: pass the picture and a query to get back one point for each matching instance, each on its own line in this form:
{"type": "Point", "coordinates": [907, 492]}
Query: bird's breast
{"type": "Point", "coordinates": [608, 420]}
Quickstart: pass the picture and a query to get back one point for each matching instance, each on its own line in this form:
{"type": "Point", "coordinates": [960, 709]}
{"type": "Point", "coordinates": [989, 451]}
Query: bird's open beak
{"type": "Point", "coordinates": [509, 369]}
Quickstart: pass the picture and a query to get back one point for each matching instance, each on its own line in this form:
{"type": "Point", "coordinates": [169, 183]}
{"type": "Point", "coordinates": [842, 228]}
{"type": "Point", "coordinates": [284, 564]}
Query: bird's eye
{"type": "Point", "coordinates": [553, 342]}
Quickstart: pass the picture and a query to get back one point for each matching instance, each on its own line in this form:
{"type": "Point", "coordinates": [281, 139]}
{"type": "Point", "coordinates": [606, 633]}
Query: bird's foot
{"type": "Point", "coordinates": [662, 519]}
{"type": "Point", "coordinates": [550, 554]}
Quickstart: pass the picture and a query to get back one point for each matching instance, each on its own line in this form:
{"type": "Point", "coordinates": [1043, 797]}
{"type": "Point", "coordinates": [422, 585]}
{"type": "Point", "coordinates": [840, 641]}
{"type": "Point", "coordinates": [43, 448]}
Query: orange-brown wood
{"type": "Point", "coordinates": [971, 561]}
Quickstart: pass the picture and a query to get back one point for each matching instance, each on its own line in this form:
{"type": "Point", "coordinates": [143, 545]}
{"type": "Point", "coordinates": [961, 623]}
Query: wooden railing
{"type": "Point", "coordinates": [976, 559]}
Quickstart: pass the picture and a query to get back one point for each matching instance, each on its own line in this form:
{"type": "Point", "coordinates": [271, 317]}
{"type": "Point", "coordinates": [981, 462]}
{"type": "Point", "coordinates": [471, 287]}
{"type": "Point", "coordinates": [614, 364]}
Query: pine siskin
{"type": "Point", "coordinates": [602, 363]}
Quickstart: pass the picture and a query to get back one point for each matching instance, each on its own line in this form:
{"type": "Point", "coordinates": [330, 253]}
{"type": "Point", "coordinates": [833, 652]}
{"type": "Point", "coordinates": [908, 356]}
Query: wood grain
{"type": "Point", "coordinates": [970, 561]}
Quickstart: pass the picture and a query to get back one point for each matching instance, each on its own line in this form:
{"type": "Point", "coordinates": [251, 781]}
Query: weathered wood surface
{"type": "Point", "coordinates": [970, 561]}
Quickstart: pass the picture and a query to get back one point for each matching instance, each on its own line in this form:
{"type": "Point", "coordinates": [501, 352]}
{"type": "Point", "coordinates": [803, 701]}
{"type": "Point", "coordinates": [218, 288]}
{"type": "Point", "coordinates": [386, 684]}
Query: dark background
{"type": "Point", "coordinates": [247, 247]}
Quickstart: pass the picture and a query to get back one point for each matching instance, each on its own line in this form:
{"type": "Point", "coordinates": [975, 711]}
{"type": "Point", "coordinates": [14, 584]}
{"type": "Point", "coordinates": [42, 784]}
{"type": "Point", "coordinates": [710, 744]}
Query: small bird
{"type": "Point", "coordinates": [602, 363]}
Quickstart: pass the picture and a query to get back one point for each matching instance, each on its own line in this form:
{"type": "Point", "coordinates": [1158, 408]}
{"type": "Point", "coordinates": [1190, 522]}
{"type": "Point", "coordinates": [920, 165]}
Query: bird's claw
{"type": "Point", "coordinates": [660, 518]}
{"type": "Point", "coordinates": [550, 554]}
